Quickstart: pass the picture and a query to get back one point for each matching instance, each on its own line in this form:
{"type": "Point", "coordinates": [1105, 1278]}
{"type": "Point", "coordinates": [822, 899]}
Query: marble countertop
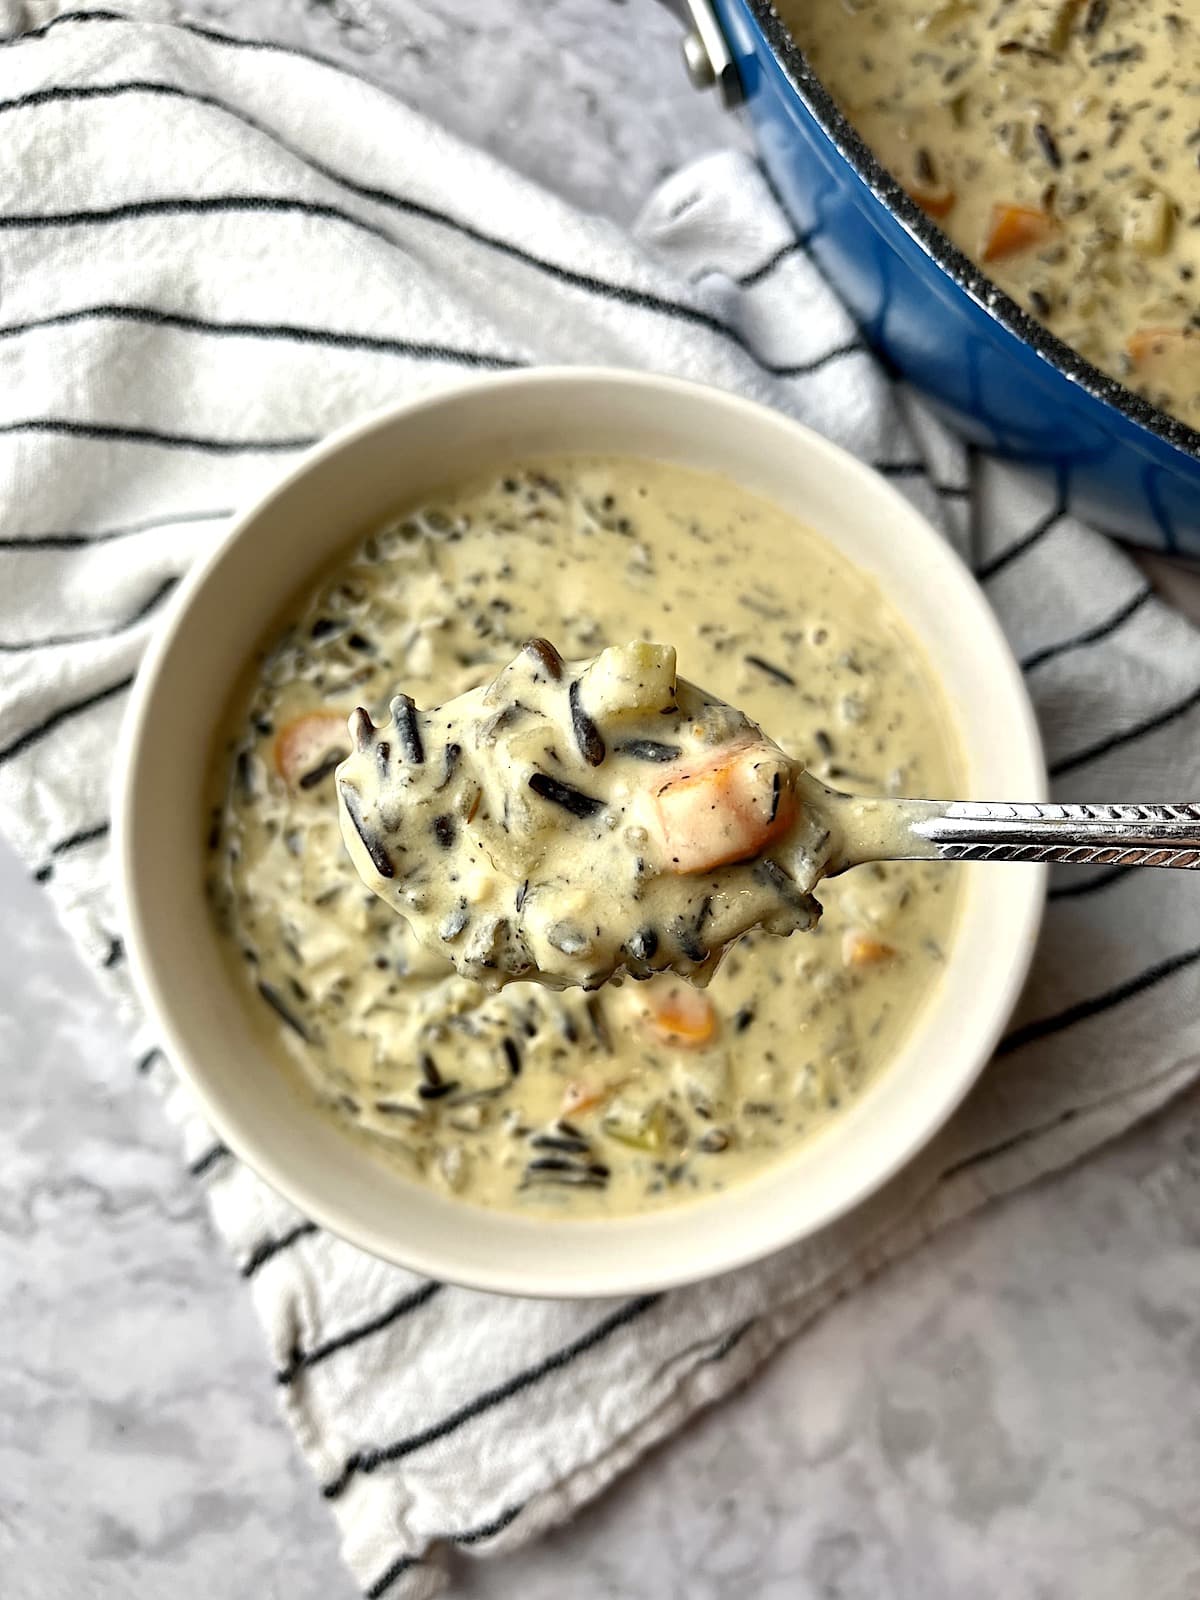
{"type": "Point", "coordinates": [1011, 1412]}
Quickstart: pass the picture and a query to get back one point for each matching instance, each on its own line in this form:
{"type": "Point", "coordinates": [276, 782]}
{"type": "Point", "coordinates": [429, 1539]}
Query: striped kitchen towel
{"type": "Point", "coordinates": [212, 252]}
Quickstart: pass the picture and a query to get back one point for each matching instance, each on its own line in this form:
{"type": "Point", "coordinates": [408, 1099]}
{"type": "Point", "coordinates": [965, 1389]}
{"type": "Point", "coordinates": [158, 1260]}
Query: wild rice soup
{"type": "Point", "coordinates": [572, 821]}
{"type": "Point", "coordinates": [1057, 143]}
{"type": "Point", "coordinates": [631, 1097]}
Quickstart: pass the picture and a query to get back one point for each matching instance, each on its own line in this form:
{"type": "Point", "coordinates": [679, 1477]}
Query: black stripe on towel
{"type": "Point", "coordinates": [64, 714]}
{"type": "Point", "coordinates": [298, 333]}
{"type": "Point", "coordinates": [1115, 741]}
{"type": "Point", "coordinates": [624, 294]}
{"type": "Point", "coordinates": [302, 1360]}
{"type": "Point", "coordinates": [206, 1162]}
{"type": "Point", "coordinates": [1083, 1009]}
{"type": "Point", "coordinates": [200, 205]}
{"type": "Point", "coordinates": [73, 841]}
{"type": "Point", "coordinates": [146, 1062]}
{"type": "Point", "coordinates": [804, 369]}
{"type": "Point", "coordinates": [235, 41]}
{"type": "Point", "coordinates": [794, 247]}
{"type": "Point", "coordinates": [124, 433]}
{"type": "Point", "coordinates": [1036, 534]}
{"type": "Point", "coordinates": [918, 469]}
{"type": "Point", "coordinates": [187, 27]}
{"type": "Point", "coordinates": [1089, 635]}
{"type": "Point", "coordinates": [54, 640]}
{"type": "Point", "coordinates": [79, 541]}
{"type": "Point", "coordinates": [1013, 1143]}
{"type": "Point", "coordinates": [472, 1536]}
{"type": "Point", "coordinates": [267, 1249]}
{"type": "Point", "coordinates": [64, 16]}
{"type": "Point", "coordinates": [369, 1460]}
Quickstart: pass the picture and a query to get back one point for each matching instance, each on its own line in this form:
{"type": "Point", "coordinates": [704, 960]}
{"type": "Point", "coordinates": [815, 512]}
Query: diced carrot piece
{"type": "Point", "coordinates": [677, 1013]}
{"type": "Point", "coordinates": [1148, 345]}
{"type": "Point", "coordinates": [1014, 228]}
{"type": "Point", "coordinates": [861, 949]}
{"type": "Point", "coordinates": [726, 808]}
{"type": "Point", "coordinates": [934, 202]}
{"type": "Point", "coordinates": [581, 1097]}
{"type": "Point", "coordinates": [302, 745]}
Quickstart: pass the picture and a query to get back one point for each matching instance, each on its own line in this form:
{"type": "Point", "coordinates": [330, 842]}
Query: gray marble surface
{"type": "Point", "coordinates": [1010, 1413]}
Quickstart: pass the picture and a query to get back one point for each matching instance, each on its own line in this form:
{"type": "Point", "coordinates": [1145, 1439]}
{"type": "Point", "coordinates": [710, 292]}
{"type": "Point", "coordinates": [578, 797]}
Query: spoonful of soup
{"type": "Point", "coordinates": [572, 821]}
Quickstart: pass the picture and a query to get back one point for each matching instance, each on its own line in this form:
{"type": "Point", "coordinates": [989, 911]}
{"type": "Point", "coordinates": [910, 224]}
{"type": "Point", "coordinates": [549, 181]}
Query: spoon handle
{"type": "Point", "coordinates": [1085, 835]}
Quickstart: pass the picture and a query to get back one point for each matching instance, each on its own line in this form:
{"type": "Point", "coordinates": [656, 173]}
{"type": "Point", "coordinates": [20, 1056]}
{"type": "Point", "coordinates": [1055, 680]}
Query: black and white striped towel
{"type": "Point", "coordinates": [211, 253]}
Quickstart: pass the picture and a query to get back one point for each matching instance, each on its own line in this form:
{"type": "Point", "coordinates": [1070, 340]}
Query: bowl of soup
{"type": "Point", "coordinates": [568, 1141]}
{"type": "Point", "coordinates": [1006, 195]}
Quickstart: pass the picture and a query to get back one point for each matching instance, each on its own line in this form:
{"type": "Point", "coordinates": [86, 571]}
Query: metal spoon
{"type": "Point", "coordinates": [1136, 835]}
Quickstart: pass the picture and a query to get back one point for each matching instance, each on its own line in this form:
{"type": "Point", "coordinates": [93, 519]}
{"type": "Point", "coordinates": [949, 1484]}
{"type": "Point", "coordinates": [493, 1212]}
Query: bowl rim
{"type": "Point", "coordinates": [585, 1281]}
{"type": "Point", "coordinates": [959, 268]}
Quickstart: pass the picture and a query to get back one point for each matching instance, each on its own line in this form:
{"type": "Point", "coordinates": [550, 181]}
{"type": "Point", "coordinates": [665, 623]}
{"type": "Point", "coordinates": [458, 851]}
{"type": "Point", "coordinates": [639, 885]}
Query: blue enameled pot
{"type": "Point", "coordinates": [998, 376]}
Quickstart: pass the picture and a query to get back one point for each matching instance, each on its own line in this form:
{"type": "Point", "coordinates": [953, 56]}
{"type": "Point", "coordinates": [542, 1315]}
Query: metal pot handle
{"type": "Point", "coordinates": [706, 54]}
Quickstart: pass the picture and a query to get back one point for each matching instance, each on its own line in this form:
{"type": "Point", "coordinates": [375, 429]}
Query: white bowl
{"type": "Point", "coordinates": [340, 491]}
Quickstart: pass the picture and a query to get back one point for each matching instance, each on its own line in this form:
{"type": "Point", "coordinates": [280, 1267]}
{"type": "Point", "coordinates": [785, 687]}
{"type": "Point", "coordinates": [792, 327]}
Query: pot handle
{"type": "Point", "coordinates": [706, 53]}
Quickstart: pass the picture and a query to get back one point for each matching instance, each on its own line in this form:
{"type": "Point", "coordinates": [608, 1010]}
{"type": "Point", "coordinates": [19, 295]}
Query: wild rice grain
{"type": "Point", "coordinates": [544, 652]}
{"type": "Point", "coordinates": [362, 729]}
{"type": "Point", "coordinates": [429, 1069]}
{"type": "Point", "coordinates": [714, 1141]}
{"type": "Point", "coordinates": [599, 1026]}
{"type": "Point", "coordinates": [380, 859]}
{"type": "Point", "coordinates": [396, 1108]}
{"type": "Point", "coordinates": [1048, 144]}
{"type": "Point", "coordinates": [450, 759]}
{"type": "Point", "coordinates": [555, 1141]}
{"type": "Point", "coordinates": [280, 1007]}
{"type": "Point", "coordinates": [649, 750]}
{"type": "Point", "coordinates": [562, 794]}
{"type": "Point", "coordinates": [404, 715]}
{"type": "Point", "coordinates": [772, 671]}
{"type": "Point", "coordinates": [327, 766]}
{"type": "Point", "coordinates": [644, 945]}
{"type": "Point", "coordinates": [437, 1091]}
{"type": "Point", "coordinates": [587, 734]}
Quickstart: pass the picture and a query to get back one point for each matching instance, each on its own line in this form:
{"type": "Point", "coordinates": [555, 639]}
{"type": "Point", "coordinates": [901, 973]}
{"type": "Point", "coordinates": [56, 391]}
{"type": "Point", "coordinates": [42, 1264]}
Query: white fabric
{"type": "Point", "coordinates": [174, 262]}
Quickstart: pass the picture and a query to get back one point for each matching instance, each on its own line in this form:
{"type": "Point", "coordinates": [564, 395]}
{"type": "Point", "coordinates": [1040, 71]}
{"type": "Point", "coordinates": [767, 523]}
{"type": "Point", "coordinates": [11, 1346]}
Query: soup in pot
{"type": "Point", "coordinates": [1057, 143]}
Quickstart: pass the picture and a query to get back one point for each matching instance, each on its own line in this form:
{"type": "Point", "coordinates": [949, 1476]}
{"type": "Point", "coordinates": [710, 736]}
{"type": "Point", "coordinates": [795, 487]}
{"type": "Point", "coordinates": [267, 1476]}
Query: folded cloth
{"type": "Point", "coordinates": [213, 251]}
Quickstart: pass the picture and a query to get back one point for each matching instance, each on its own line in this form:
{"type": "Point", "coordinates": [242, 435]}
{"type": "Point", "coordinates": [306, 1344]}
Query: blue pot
{"type": "Point", "coordinates": [997, 376]}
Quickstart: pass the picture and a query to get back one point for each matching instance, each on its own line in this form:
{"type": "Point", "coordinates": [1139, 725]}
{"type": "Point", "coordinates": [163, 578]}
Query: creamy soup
{"type": "Point", "coordinates": [1057, 142]}
{"type": "Point", "coordinates": [568, 821]}
{"type": "Point", "coordinates": [572, 1102]}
